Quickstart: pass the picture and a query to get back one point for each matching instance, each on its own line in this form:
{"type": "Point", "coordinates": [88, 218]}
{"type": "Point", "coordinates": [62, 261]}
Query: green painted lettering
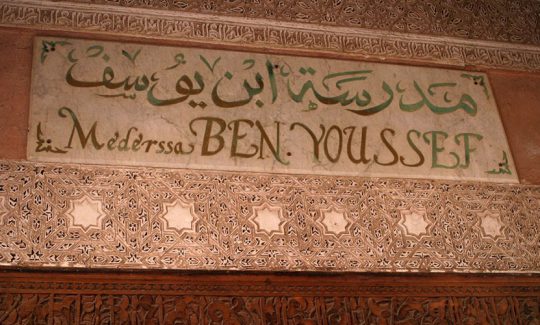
{"type": "Point", "coordinates": [435, 149]}
{"type": "Point", "coordinates": [123, 144]}
{"type": "Point", "coordinates": [467, 146]}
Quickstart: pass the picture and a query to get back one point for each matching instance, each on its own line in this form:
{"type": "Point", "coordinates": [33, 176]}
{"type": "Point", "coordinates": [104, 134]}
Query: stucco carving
{"type": "Point", "coordinates": [82, 216]}
{"type": "Point", "coordinates": [298, 32]}
{"type": "Point", "coordinates": [497, 20]}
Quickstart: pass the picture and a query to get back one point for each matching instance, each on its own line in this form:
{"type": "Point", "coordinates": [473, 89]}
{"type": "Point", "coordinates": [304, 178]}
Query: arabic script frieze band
{"type": "Point", "coordinates": [255, 34]}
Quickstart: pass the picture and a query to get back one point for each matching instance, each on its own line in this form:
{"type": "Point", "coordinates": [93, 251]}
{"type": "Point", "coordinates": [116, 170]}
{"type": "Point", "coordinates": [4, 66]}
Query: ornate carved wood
{"type": "Point", "coordinates": [149, 298]}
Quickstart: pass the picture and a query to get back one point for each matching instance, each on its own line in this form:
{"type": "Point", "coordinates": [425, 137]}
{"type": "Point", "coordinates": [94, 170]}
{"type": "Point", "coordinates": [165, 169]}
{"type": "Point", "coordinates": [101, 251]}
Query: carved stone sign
{"type": "Point", "coordinates": [132, 104]}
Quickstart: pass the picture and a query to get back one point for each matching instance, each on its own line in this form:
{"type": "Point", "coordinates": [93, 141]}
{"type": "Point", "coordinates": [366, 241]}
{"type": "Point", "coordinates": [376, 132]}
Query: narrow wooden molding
{"type": "Point", "coordinates": [247, 298]}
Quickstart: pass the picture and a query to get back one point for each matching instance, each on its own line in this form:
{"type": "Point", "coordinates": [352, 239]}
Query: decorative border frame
{"type": "Point", "coordinates": [89, 298]}
{"type": "Point", "coordinates": [263, 34]}
{"type": "Point", "coordinates": [76, 216]}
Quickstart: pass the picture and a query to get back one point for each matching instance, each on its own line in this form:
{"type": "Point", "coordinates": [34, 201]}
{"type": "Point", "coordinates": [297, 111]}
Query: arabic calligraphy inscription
{"type": "Point", "coordinates": [117, 103]}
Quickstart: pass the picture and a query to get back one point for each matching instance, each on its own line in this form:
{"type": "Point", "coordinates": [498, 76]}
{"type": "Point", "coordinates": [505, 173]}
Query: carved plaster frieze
{"type": "Point", "coordinates": [258, 33]}
{"type": "Point", "coordinates": [62, 215]}
{"type": "Point", "coordinates": [496, 20]}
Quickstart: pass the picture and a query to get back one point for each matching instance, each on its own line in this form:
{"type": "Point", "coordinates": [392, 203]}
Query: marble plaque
{"type": "Point", "coordinates": [131, 104]}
